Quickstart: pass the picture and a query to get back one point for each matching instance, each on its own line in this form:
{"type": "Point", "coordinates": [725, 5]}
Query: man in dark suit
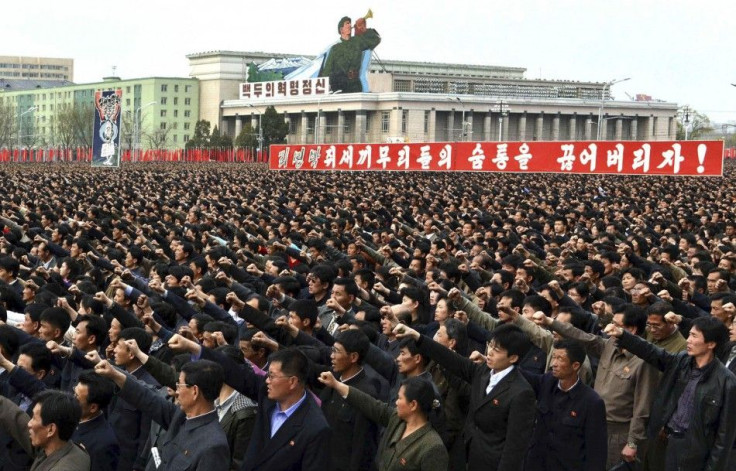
{"type": "Point", "coordinates": [131, 426]}
{"type": "Point", "coordinates": [354, 438]}
{"type": "Point", "coordinates": [94, 432]}
{"type": "Point", "coordinates": [500, 420]}
{"type": "Point", "coordinates": [571, 418]}
{"type": "Point", "coordinates": [194, 439]}
{"type": "Point", "coordinates": [290, 432]}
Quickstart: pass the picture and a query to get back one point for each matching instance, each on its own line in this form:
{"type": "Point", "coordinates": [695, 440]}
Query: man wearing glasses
{"type": "Point", "coordinates": [661, 333]}
{"type": "Point", "coordinates": [194, 438]}
{"type": "Point", "coordinates": [290, 430]}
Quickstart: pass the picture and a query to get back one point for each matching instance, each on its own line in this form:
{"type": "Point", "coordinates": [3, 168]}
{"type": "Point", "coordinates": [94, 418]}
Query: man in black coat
{"type": "Point", "coordinates": [354, 438]}
{"type": "Point", "coordinates": [502, 406]}
{"type": "Point", "coordinates": [695, 410]}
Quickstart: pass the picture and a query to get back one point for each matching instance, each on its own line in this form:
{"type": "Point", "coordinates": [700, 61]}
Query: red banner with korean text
{"type": "Point", "coordinates": [695, 158]}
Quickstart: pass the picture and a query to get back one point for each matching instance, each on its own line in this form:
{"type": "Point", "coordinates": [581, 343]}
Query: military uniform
{"type": "Point", "coordinates": [344, 60]}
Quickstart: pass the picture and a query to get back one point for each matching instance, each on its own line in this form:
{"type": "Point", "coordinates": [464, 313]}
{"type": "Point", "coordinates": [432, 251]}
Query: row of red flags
{"type": "Point", "coordinates": [82, 154]}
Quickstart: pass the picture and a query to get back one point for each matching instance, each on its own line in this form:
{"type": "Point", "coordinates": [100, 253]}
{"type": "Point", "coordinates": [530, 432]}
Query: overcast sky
{"type": "Point", "coordinates": [674, 50]}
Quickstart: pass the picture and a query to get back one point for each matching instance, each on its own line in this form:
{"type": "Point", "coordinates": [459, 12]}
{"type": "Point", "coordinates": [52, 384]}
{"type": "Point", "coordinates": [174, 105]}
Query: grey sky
{"type": "Point", "coordinates": [673, 50]}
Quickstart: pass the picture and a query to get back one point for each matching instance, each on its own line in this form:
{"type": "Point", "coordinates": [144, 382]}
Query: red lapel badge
{"type": "Point", "coordinates": [573, 413]}
{"type": "Point", "coordinates": [495, 402]}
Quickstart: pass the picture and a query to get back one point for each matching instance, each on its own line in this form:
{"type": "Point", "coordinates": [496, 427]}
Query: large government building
{"type": "Point", "coordinates": [431, 102]}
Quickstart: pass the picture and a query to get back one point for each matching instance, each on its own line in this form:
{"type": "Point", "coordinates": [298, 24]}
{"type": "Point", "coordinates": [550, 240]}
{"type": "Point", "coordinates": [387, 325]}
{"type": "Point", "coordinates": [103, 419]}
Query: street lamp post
{"type": "Point", "coordinates": [20, 125]}
{"type": "Point", "coordinates": [260, 127]}
{"type": "Point", "coordinates": [502, 110]}
{"type": "Point", "coordinates": [603, 101]}
{"type": "Point", "coordinates": [316, 123]}
{"type": "Point", "coordinates": [462, 126]}
{"type": "Point", "coordinates": [137, 129]}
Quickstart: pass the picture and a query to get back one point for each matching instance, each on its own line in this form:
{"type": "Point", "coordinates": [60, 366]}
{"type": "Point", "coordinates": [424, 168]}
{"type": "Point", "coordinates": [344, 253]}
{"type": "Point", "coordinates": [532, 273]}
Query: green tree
{"type": "Point", "coordinates": [219, 141]}
{"type": "Point", "coordinates": [698, 125]}
{"type": "Point", "coordinates": [201, 138]}
{"type": "Point", "coordinates": [275, 127]}
{"type": "Point", "coordinates": [248, 137]}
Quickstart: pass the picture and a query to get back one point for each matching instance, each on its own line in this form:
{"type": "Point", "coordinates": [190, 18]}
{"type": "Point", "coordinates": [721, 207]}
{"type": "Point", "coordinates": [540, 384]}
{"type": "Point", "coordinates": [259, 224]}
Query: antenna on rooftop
{"type": "Point", "coordinates": [114, 69]}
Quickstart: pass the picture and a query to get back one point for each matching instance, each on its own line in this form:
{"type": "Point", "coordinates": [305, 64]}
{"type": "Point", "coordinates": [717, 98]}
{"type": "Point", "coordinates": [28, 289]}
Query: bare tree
{"type": "Point", "coordinates": [7, 125]}
{"type": "Point", "coordinates": [74, 125]}
{"type": "Point", "coordinates": [159, 139]}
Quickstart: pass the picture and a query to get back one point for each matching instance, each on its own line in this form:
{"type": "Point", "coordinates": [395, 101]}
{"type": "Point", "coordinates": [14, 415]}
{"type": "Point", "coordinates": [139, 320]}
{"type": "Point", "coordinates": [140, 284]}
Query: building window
{"type": "Point", "coordinates": [164, 87]}
{"type": "Point", "coordinates": [176, 113]}
{"type": "Point", "coordinates": [176, 137]}
{"type": "Point", "coordinates": [163, 113]}
{"type": "Point", "coordinates": [163, 100]}
{"type": "Point", "coordinates": [426, 122]}
{"type": "Point", "coordinates": [385, 120]}
{"type": "Point", "coordinates": [187, 101]}
{"type": "Point", "coordinates": [186, 125]}
{"type": "Point", "coordinates": [402, 85]}
{"type": "Point", "coordinates": [186, 137]}
{"type": "Point", "coordinates": [176, 88]}
{"type": "Point", "coordinates": [176, 100]}
{"type": "Point", "coordinates": [404, 120]}
{"type": "Point", "coordinates": [163, 125]}
{"type": "Point", "coordinates": [187, 113]}
{"type": "Point", "coordinates": [127, 102]}
{"type": "Point", "coordinates": [187, 89]}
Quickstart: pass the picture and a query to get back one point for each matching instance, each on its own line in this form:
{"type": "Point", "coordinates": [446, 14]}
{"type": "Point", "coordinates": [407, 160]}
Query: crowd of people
{"type": "Point", "coordinates": [226, 317]}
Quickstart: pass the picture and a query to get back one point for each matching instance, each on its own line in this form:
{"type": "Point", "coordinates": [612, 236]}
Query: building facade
{"type": "Point", "coordinates": [157, 112]}
{"type": "Point", "coordinates": [36, 68]}
{"type": "Point", "coordinates": [433, 102]}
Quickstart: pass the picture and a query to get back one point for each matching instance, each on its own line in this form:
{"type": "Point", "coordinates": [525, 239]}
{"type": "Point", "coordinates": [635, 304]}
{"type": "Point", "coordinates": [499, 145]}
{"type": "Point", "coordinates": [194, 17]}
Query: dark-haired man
{"type": "Point", "coordinates": [694, 414]}
{"type": "Point", "coordinates": [194, 439]}
{"type": "Point", "coordinates": [625, 382]}
{"type": "Point", "coordinates": [55, 417]}
{"type": "Point", "coordinates": [500, 421]}
{"type": "Point", "coordinates": [94, 432]}
{"type": "Point", "coordinates": [131, 425]}
{"type": "Point", "coordinates": [354, 438]}
{"type": "Point", "coordinates": [570, 432]}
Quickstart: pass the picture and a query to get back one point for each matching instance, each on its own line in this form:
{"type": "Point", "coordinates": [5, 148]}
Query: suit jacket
{"type": "Point", "coordinates": [499, 425]}
{"type": "Point", "coordinates": [97, 437]}
{"type": "Point", "coordinates": [131, 426]}
{"type": "Point", "coordinates": [354, 438]}
{"type": "Point", "coordinates": [302, 442]}
{"type": "Point", "coordinates": [12, 455]}
{"type": "Point", "coordinates": [571, 427]}
{"type": "Point", "coordinates": [188, 444]}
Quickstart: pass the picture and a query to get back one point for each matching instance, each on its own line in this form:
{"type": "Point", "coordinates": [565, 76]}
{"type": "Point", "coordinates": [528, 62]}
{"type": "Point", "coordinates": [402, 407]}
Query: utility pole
{"type": "Point", "coordinates": [686, 119]}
